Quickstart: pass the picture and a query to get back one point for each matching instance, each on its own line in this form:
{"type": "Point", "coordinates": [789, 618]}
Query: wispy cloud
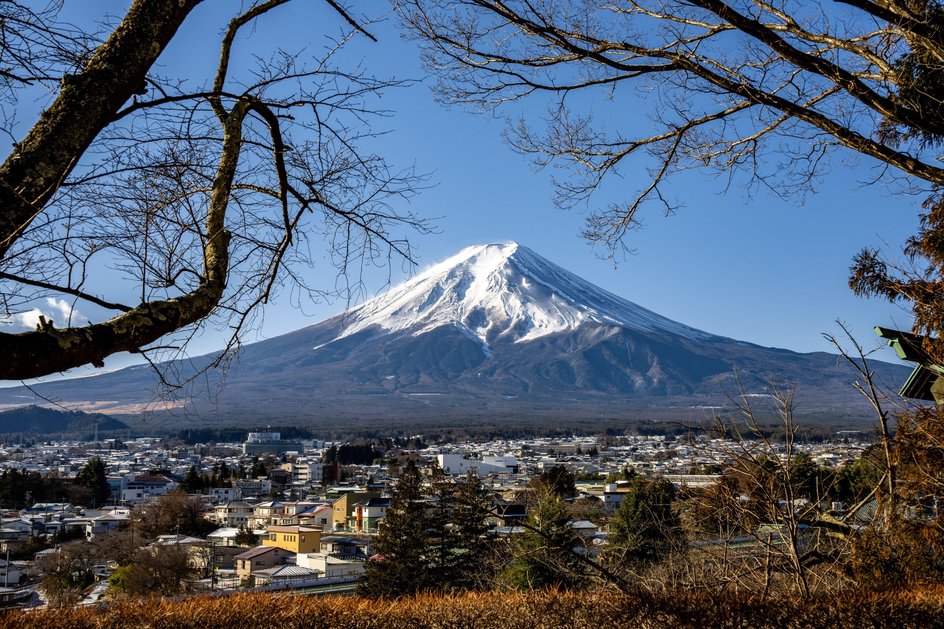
{"type": "Point", "coordinates": [58, 310]}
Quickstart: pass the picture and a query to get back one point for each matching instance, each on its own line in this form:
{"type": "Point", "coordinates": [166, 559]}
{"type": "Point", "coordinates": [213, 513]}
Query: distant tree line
{"type": "Point", "coordinates": [19, 489]}
{"type": "Point", "coordinates": [354, 454]}
{"type": "Point", "coordinates": [193, 436]}
{"type": "Point", "coordinates": [220, 475]}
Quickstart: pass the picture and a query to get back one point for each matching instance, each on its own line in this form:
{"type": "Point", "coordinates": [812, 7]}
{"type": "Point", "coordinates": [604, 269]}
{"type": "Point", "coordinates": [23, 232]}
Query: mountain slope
{"type": "Point", "coordinates": [36, 420]}
{"type": "Point", "coordinates": [497, 330]}
{"type": "Point", "coordinates": [499, 293]}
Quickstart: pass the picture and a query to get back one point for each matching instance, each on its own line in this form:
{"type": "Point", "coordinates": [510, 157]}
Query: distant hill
{"type": "Point", "coordinates": [43, 421]}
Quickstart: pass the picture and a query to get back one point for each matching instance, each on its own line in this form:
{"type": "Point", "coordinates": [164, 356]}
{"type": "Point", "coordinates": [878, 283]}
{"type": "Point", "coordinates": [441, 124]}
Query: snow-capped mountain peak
{"type": "Point", "coordinates": [502, 292]}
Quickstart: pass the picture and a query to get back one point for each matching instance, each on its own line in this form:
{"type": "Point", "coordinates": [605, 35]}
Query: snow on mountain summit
{"type": "Point", "coordinates": [502, 292]}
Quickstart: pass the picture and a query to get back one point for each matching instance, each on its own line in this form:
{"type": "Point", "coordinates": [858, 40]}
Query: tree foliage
{"type": "Point", "coordinates": [94, 478]}
{"type": "Point", "coordinates": [559, 480]}
{"type": "Point", "coordinates": [163, 569]}
{"type": "Point", "coordinates": [432, 540]}
{"type": "Point", "coordinates": [203, 194]}
{"type": "Point", "coordinates": [459, 542]}
{"type": "Point", "coordinates": [245, 537]}
{"type": "Point", "coordinates": [544, 555]}
{"type": "Point", "coordinates": [399, 565]}
{"type": "Point", "coordinates": [18, 488]}
{"type": "Point", "coordinates": [645, 527]}
{"type": "Point", "coordinates": [171, 513]}
{"type": "Point", "coordinates": [67, 572]}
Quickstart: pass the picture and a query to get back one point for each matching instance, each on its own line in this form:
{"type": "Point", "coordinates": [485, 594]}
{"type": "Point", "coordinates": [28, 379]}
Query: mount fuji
{"type": "Point", "coordinates": [494, 331]}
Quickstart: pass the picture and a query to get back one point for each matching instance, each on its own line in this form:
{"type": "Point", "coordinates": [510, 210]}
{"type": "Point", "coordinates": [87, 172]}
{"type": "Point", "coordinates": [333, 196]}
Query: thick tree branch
{"type": "Point", "coordinates": [85, 105]}
{"type": "Point", "coordinates": [48, 350]}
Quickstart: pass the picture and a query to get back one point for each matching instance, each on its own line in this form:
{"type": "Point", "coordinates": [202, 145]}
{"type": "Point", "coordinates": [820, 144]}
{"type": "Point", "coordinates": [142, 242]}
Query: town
{"type": "Point", "coordinates": [304, 515]}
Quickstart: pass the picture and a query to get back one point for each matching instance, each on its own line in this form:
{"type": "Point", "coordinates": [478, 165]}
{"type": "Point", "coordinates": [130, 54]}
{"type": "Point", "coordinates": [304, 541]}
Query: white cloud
{"type": "Point", "coordinates": [58, 310]}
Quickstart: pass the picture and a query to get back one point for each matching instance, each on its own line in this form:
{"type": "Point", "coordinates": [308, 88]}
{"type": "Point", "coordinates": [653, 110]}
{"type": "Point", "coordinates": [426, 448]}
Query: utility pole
{"type": "Point", "coordinates": [212, 566]}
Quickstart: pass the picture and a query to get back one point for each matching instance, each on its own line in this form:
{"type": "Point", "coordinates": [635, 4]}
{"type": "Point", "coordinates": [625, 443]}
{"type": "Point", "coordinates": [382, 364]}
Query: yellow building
{"type": "Point", "coordinates": [296, 539]}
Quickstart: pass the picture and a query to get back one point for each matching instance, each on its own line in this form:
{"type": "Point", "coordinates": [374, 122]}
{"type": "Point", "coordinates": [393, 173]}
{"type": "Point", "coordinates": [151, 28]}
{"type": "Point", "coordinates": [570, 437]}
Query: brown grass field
{"type": "Point", "coordinates": [923, 608]}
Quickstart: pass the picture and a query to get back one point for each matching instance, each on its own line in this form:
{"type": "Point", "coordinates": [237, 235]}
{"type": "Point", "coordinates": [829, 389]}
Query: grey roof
{"type": "Point", "coordinates": [287, 571]}
{"type": "Point", "coordinates": [373, 502]}
{"type": "Point", "coordinates": [252, 553]}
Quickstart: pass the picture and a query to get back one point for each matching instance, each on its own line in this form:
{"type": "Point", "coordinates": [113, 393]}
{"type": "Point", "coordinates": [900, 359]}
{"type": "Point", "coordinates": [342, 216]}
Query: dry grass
{"type": "Point", "coordinates": [922, 608]}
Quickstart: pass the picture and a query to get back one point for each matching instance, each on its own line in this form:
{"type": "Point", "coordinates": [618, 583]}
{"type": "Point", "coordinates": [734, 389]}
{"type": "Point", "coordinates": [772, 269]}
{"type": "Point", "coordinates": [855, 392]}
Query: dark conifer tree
{"type": "Point", "coordinates": [472, 541]}
{"type": "Point", "coordinates": [544, 556]}
{"type": "Point", "coordinates": [560, 480]}
{"type": "Point", "coordinates": [399, 566]}
{"type": "Point", "coordinates": [94, 478]}
{"type": "Point", "coordinates": [645, 528]}
{"type": "Point", "coordinates": [192, 482]}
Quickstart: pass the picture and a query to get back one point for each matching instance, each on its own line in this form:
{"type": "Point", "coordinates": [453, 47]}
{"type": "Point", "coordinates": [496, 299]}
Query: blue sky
{"type": "Point", "coordinates": [761, 269]}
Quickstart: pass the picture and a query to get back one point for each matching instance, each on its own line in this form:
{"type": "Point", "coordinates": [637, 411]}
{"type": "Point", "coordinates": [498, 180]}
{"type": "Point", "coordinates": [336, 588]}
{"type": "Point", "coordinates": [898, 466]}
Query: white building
{"type": "Point", "coordinates": [330, 566]}
{"type": "Point", "coordinates": [234, 513]}
{"type": "Point", "coordinates": [457, 466]}
{"type": "Point", "coordinates": [10, 574]}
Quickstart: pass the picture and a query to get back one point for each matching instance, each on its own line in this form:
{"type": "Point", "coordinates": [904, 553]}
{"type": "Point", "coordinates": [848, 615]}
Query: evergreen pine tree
{"type": "Point", "coordinates": [471, 540]}
{"type": "Point", "coordinates": [544, 556]}
{"type": "Point", "coordinates": [645, 527]}
{"type": "Point", "coordinates": [93, 477]}
{"type": "Point", "coordinates": [400, 565]}
{"type": "Point", "coordinates": [191, 482]}
{"type": "Point", "coordinates": [560, 480]}
{"type": "Point", "coordinates": [439, 534]}
{"type": "Point", "coordinates": [225, 473]}
{"type": "Point", "coordinates": [245, 537]}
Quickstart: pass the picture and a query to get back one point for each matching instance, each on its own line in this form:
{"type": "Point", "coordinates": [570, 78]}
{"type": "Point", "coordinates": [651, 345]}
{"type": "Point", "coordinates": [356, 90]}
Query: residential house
{"type": "Point", "coordinates": [343, 507]}
{"type": "Point", "coordinates": [296, 539]}
{"type": "Point", "coordinates": [235, 513]}
{"type": "Point", "coordinates": [345, 547]}
{"type": "Point", "coordinates": [286, 575]}
{"type": "Point", "coordinates": [319, 515]}
{"type": "Point", "coordinates": [223, 536]}
{"type": "Point", "coordinates": [105, 523]}
{"type": "Point", "coordinates": [10, 574]}
{"type": "Point", "coordinates": [303, 471]}
{"type": "Point", "coordinates": [506, 514]}
{"type": "Point", "coordinates": [266, 513]}
{"type": "Point", "coordinates": [254, 487]}
{"type": "Point", "coordinates": [260, 558]}
{"type": "Point", "coordinates": [149, 485]}
{"type": "Point", "coordinates": [367, 515]}
{"type": "Point", "coordinates": [613, 494]}
{"type": "Point", "coordinates": [292, 511]}
{"type": "Point", "coordinates": [48, 511]}
{"type": "Point", "coordinates": [15, 533]}
{"type": "Point", "coordinates": [585, 529]}
{"type": "Point", "coordinates": [223, 494]}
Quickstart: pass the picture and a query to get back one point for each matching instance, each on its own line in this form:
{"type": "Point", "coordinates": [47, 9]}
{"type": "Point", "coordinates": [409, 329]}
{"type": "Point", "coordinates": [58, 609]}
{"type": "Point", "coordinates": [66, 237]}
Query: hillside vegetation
{"type": "Point", "coordinates": [46, 421]}
{"type": "Point", "coordinates": [915, 608]}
